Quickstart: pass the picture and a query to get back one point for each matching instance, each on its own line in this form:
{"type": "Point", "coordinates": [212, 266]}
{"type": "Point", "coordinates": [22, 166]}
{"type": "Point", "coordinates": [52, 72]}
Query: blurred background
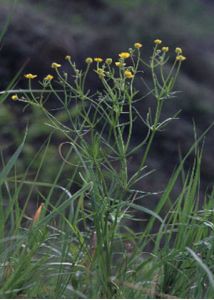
{"type": "Point", "coordinates": [43, 31]}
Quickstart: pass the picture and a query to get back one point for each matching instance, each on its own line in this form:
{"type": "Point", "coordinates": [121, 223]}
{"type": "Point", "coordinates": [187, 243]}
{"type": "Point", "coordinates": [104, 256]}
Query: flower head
{"type": "Point", "coordinates": [165, 49]}
{"type": "Point", "coordinates": [30, 76]}
{"type": "Point", "coordinates": [128, 74]}
{"type": "Point", "coordinates": [157, 42]}
{"type": "Point", "coordinates": [100, 72]}
{"type": "Point", "coordinates": [108, 61]}
{"type": "Point", "coordinates": [89, 60]}
{"type": "Point", "coordinates": [119, 64]}
{"type": "Point", "coordinates": [48, 77]}
{"type": "Point", "coordinates": [178, 50]}
{"type": "Point", "coordinates": [67, 57]}
{"type": "Point", "coordinates": [138, 45]}
{"type": "Point", "coordinates": [55, 65]}
{"type": "Point", "coordinates": [124, 55]}
{"type": "Point", "coordinates": [14, 97]}
{"type": "Point", "coordinates": [180, 58]}
{"type": "Point", "coordinates": [98, 59]}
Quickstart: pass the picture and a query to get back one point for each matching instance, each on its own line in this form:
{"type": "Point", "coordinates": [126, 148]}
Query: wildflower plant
{"type": "Point", "coordinates": [100, 121]}
{"type": "Point", "coordinates": [106, 257]}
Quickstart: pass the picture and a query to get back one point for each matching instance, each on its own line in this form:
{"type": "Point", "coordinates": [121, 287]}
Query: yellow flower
{"type": "Point", "coordinates": [108, 61]}
{"type": "Point", "coordinates": [178, 50]}
{"type": "Point", "coordinates": [124, 55]}
{"type": "Point", "coordinates": [55, 65]}
{"type": "Point", "coordinates": [165, 49]}
{"type": "Point", "coordinates": [119, 64]}
{"type": "Point", "coordinates": [100, 72]}
{"type": "Point", "coordinates": [30, 76]}
{"type": "Point", "coordinates": [89, 60]}
{"type": "Point", "coordinates": [157, 42]}
{"type": "Point", "coordinates": [128, 74]}
{"type": "Point", "coordinates": [67, 57]}
{"type": "Point", "coordinates": [48, 77]}
{"type": "Point", "coordinates": [98, 59]}
{"type": "Point", "coordinates": [138, 45]}
{"type": "Point", "coordinates": [14, 97]}
{"type": "Point", "coordinates": [180, 58]}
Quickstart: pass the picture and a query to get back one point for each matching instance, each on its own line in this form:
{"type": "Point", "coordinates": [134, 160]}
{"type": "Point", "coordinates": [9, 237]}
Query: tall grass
{"type": "Point", "coordinates": [81, 242]}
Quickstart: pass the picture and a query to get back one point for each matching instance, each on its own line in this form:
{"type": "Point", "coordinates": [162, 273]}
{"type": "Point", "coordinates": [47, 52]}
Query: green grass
{"type": "Point", "coordinates": [81, 242]}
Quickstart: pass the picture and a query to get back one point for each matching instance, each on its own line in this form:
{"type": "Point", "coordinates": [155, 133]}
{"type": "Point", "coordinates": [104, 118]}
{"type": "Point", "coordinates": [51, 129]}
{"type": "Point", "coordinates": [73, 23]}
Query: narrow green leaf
{"type": "Point", "coordinates": [11, 162]}
{"type": "Point", "coordinates": [203, 266]}
{"type": "Point", "coordinates": [147, 211]}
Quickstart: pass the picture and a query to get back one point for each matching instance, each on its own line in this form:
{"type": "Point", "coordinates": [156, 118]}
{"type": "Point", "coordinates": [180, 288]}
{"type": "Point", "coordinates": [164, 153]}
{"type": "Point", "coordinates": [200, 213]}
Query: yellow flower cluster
{"type": "Point", "coordinates": [128, 74]}
{"type": "Point", "coordinates": [68, 57]}
{"type": "Point", "coordinates": [48, 77]}
{"type": "Point", "coordinates": [178, 50]}
{"type": "Point", "coordinates": [100, 72]}
{"type": "Point", "coordinates": [89, 60]}
{"type": "Point", "coordinates": [55, 65]}
{"type": "Point", "coordinates": [165, 49]}
{"type": "Point", "coordinates": [138, 45]}
{"type": "Point", "coordinates": [157, 42]}
{"type": "Point", "coordinates": [108, 61]}
{"type": "Point", "coordinates": [30, 76]}
{"type": "Point", "coordinates": [124, 55]}
{"type": "Point", "coordinates": [119, 64]}
{"type": "Point", "coordinates": [180, 58]}
{"type": "Point", "coordinates": [14, 97]}
{"type": "Point", "coordinates": [98, 59]}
